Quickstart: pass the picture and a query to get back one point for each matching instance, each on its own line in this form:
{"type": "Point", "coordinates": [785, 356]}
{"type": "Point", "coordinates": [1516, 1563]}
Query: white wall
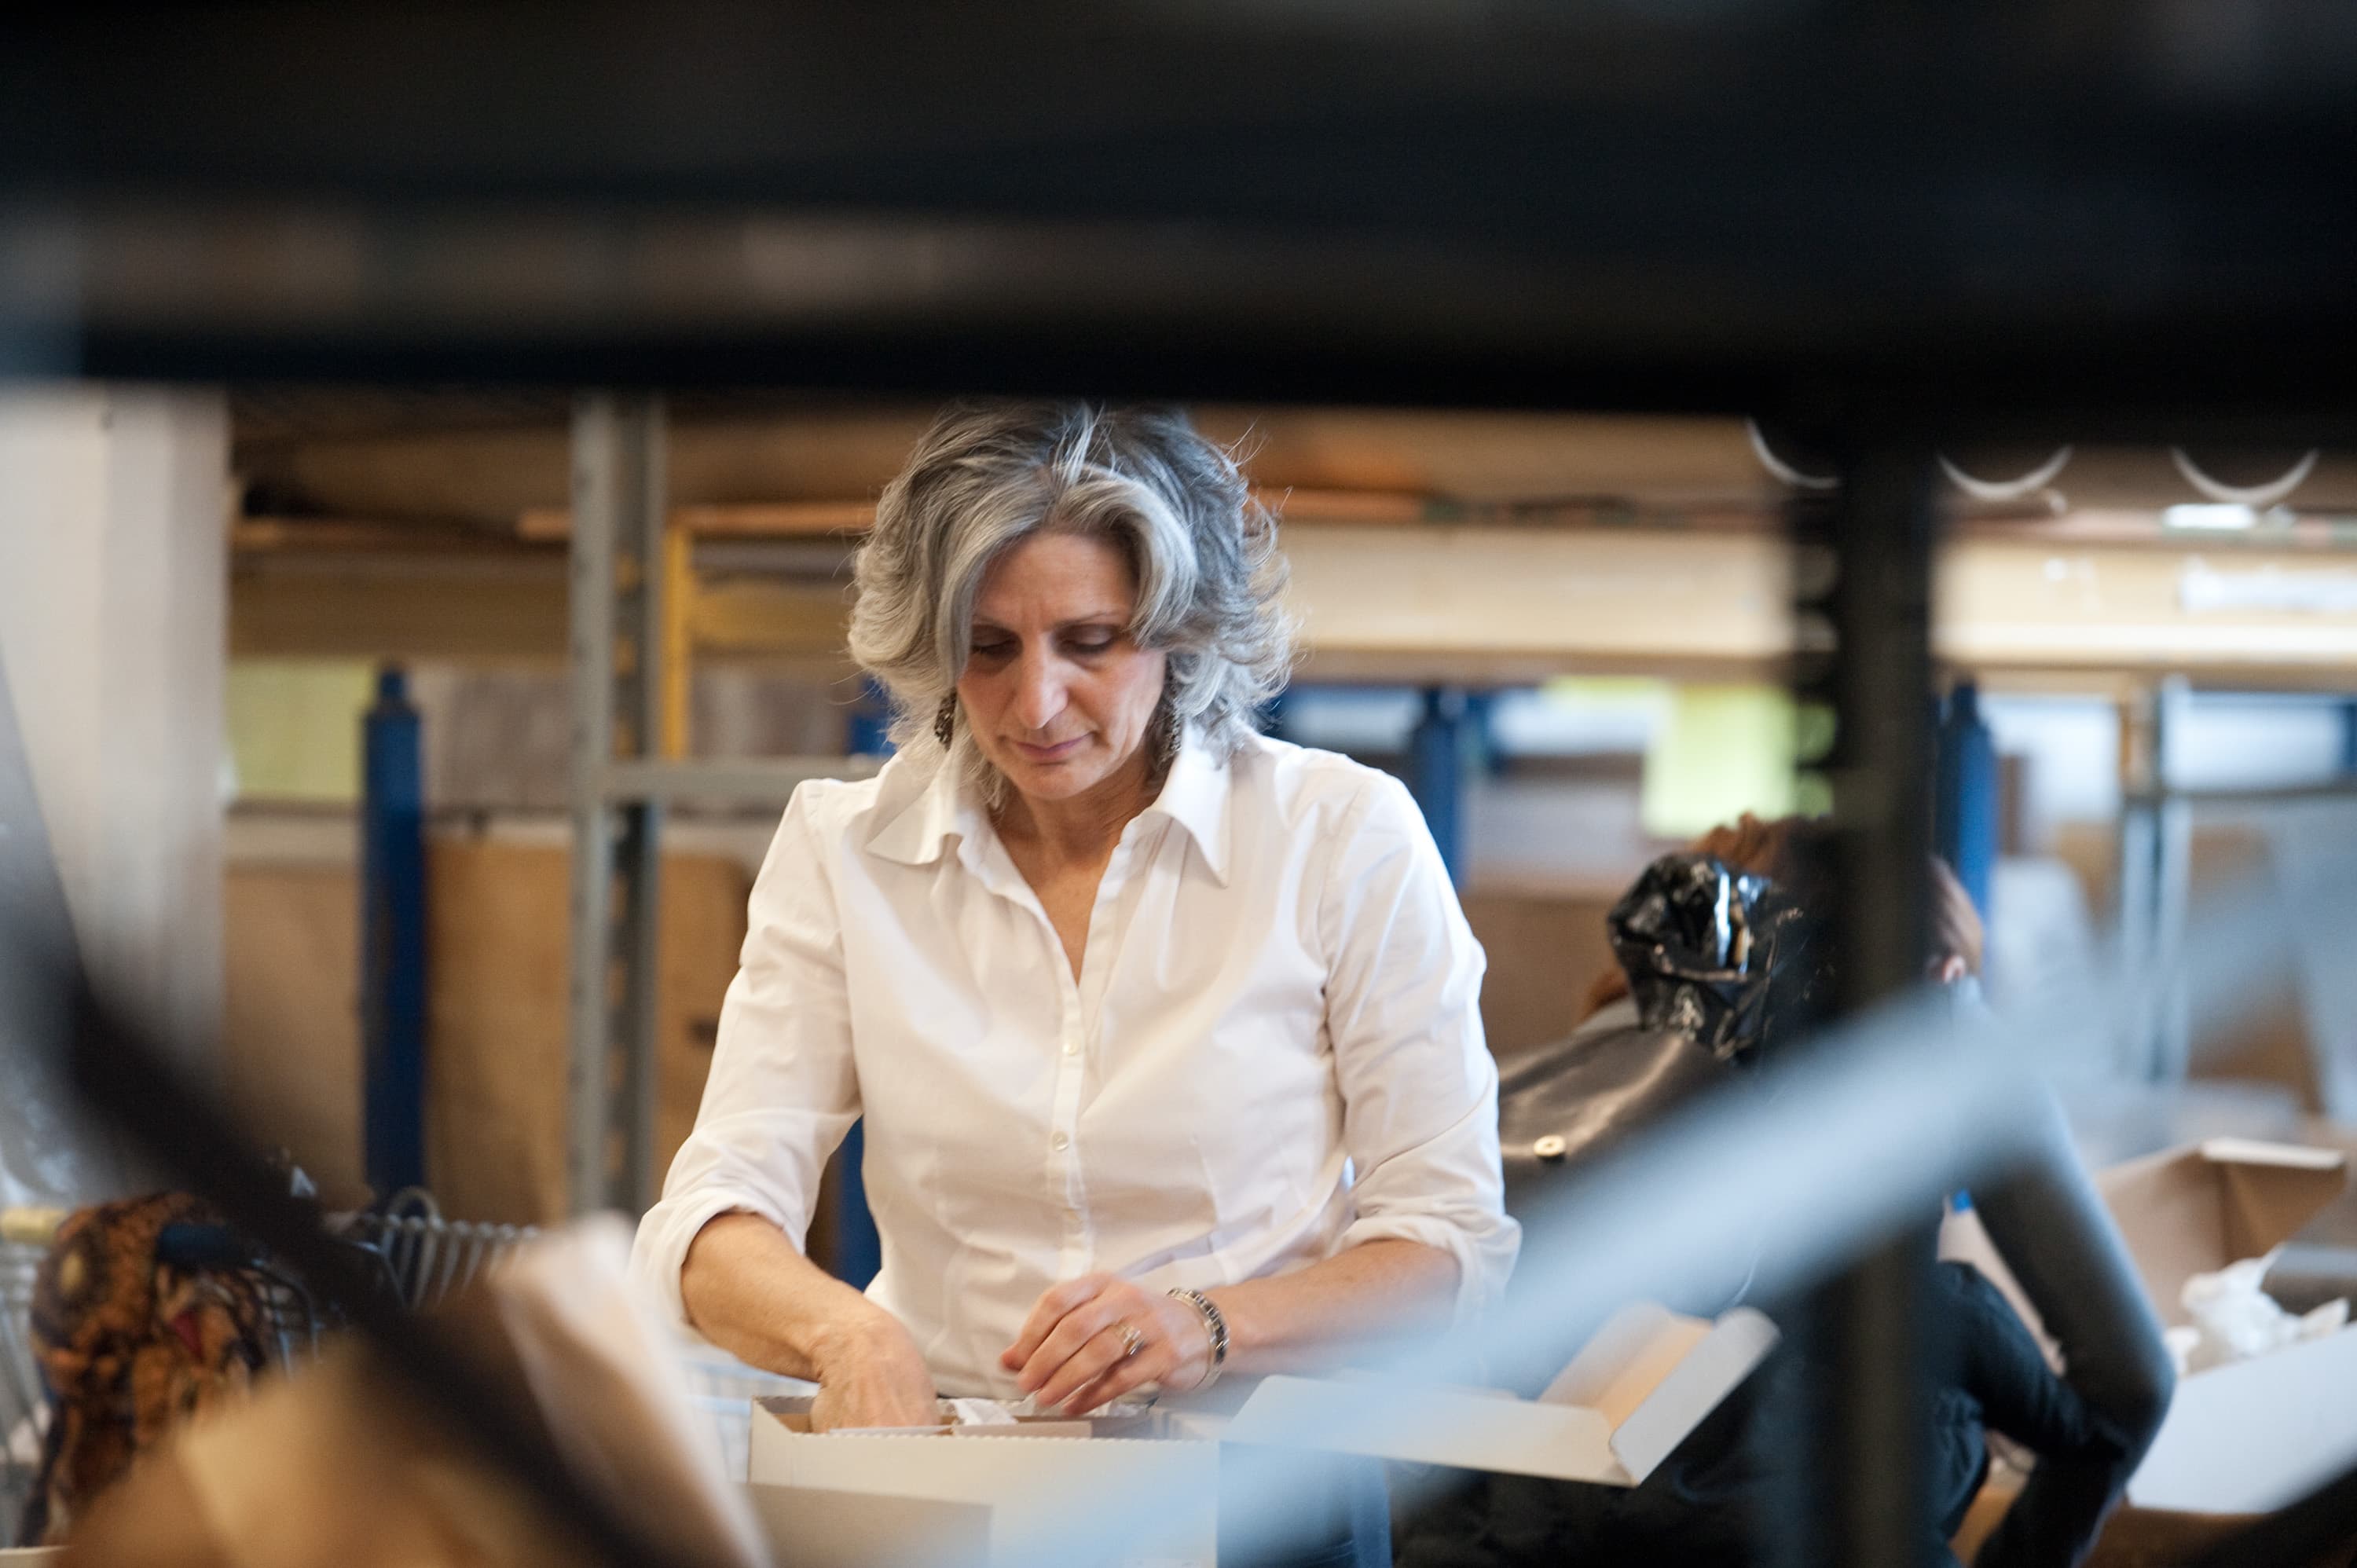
{"type": "Point", "coordinates": [113, 597]}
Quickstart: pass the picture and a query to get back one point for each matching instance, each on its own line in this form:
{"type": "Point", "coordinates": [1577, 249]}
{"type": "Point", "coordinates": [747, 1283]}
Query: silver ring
{"type": "Point", "coordinates": [1131, 1341]}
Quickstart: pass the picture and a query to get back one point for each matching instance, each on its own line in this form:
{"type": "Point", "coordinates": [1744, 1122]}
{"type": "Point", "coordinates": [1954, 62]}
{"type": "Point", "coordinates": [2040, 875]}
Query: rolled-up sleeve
{"type": "Point", "coordinates": [783, 1090]}
{"type": "Point", "coordinates": [1420, 1088]}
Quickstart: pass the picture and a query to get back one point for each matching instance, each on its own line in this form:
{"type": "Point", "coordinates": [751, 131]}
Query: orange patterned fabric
{"type": "Point", "coordinates": [130, 1347]}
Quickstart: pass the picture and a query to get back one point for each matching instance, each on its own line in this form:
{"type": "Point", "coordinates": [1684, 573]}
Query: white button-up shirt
{"type": "Point", "coordinates": [1273, 1050]}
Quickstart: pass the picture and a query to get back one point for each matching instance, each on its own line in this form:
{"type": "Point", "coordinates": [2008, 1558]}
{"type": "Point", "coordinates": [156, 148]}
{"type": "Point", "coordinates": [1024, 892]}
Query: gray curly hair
{"type": "Point", "coordinates": [987, 474]}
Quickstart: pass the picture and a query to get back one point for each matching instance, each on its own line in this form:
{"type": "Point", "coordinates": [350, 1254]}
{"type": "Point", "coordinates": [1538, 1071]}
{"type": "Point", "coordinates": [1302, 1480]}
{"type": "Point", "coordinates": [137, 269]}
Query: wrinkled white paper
{"type": "Point", "coordinates": [2233, 1320]}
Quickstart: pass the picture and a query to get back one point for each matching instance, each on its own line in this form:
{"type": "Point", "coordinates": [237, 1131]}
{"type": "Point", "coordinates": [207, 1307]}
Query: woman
{"type": "Point", "coordinates": [1671, 1020]}
{"type": "Point", "coordinates": [1165, 1033]}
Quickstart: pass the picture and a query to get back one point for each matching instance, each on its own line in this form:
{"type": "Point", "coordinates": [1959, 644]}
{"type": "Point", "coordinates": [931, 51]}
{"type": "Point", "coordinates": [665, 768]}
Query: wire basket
{"type": "Point", "coordinates": [426, 1256]}
{"type": "Point", "coordinates": [23, 1403]}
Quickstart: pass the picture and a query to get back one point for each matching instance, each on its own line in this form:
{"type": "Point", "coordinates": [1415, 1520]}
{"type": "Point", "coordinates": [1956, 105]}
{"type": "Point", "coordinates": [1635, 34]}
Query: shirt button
{"type": "Point", "coordinates": [1060, 1142]}
{"type": "Point", "coordinates": [1071, 1048]}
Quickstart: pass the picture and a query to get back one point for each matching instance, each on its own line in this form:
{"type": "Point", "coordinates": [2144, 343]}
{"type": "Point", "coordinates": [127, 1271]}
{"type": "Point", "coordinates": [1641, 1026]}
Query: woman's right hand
{"type": "Point", "coordinates": [870, 1374]}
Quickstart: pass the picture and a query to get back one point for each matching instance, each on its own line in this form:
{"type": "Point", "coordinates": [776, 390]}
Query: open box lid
{"type": "Point", "coordinates": [2194, 1210]}
{"type": "Point", "coordinates": [1630, 1397]}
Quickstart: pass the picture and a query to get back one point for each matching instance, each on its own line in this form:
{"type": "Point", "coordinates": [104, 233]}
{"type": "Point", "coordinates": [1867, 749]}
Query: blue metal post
{"type": "Point", "coordinates": [1272, 715]}
{"type": "Point", "coordinates": [867, 727]}
{"type": "Point", "coordinates": [393, 938]}
{"type": "Point", "coordinates": [1964, 796]}
{"type": "Point", "coordinates": [858, 1251]}
{"type": "Point", "coordinates": [1481, 714]}
{"type": "Point", "coordinates": [1440, 754]}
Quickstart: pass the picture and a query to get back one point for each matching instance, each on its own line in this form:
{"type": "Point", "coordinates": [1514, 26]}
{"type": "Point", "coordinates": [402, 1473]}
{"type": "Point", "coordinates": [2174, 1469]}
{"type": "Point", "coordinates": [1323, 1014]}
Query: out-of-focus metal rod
{"type": "Point", "coordinates": [619, 494]}
{"type": "Point", "coordinates": [1869, 1338]}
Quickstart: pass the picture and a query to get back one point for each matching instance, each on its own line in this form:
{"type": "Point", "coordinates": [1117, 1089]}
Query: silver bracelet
{"type": "Point", "coordinates": [1216, 1324]}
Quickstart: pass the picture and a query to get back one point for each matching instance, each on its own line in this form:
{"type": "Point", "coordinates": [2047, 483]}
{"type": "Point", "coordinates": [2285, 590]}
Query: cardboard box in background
{"type": "Point", "coordinates": [2242, 1439]}
{"type": "Point", "coordinates": [2249, 1436]}
{"type": "Point", "coordinates": [1629, 1397]}
{"type": "Point", "coordinates": [2132, 1538]}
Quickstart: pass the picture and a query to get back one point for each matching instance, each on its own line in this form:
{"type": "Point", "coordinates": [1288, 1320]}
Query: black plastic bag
{"type": "Point", "coordinates": [1718, 955]}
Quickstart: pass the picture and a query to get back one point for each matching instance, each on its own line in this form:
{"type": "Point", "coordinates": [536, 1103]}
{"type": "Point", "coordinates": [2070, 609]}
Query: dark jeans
{"type": "Point", "coordinates": [1340, 1519]}
{"type": "Point", "coordinates": [2002, 1384]}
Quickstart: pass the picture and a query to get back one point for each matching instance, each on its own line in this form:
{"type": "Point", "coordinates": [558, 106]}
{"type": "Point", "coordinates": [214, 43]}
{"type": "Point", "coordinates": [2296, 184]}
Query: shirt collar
{"type": "Point", "coordinates": [922, 811]}
{"type": "Point", "coordinates": [919, 812]}
{"type": "Point", "coordinates": [1196, 796]}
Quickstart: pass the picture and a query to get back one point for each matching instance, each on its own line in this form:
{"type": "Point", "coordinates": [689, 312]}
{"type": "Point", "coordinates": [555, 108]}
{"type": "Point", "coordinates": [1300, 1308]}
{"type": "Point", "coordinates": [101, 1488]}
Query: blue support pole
{"type": "Point", "coordinates": [1441, 752]}
{"type": "Point", "coordinates": [393, 938]}
{"type": "Point", "coordinates": [868, 729]}
{"type": "Point", "coordinates": [1272, 715]}
{"type": "Point", "coordinates": [1964, 795]}
{"type": "Point", "coordinates": [1482, 714]}
{"type": "Point", "coordinates": [858, 1251]}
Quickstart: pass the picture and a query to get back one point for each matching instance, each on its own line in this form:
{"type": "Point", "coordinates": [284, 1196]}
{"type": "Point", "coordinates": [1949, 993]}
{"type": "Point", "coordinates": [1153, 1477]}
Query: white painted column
{"type": "Point", "coordinates": [113, 601]}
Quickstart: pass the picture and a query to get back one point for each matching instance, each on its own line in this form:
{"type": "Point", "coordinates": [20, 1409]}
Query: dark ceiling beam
{"type": "Point", "coordinates": [2007, 214]}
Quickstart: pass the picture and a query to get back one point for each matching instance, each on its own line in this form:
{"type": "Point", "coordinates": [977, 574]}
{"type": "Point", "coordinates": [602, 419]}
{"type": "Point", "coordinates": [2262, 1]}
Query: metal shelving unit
{"type": "Point", "coordinates": [629, 670]}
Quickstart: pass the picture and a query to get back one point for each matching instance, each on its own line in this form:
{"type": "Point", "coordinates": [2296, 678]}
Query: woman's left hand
{"type": "Point", "coordinates": [1091, 1340]}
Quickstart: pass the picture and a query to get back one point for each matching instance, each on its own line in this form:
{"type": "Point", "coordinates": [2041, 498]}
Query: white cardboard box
{"type": "Point", "coordinates": [2251, 1435]}
{"type": "Point", "coordinates": [1629, 1397]}
{"type": "Point", "coordinates": [1027, 1479]}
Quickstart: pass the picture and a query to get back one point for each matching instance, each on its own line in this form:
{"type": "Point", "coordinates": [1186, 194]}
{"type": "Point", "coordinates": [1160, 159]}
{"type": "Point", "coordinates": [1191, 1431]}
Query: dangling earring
{"type": "Point", "coordinates": [945, 722]}
{"type": "Point", "coordinates": [1162, 740]}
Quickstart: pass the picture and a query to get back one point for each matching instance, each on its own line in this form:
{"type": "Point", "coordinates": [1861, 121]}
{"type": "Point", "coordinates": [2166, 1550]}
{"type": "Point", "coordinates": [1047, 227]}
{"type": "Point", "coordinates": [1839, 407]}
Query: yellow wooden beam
{"type": "Point", "coordinates": [679, 594]}
{"type": "Point", "coordinates": [744, 616]}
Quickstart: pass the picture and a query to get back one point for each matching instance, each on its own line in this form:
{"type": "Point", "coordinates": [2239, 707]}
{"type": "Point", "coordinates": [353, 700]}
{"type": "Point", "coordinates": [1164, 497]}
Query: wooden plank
{"type": "Point", "coordinates": [1295, 508]}
{"type": "Point", "coordinates": [375, 606]}
{"type": "Point", "coordinates": [826, 452]}
{"type": "Point", "coordinates": [2105, 610]}
{"type": "Point", "coordinates": [495, 1086]}
{"type": "Point", "coordinates": [291, 1053]}
{"type": "Point", "coordinates": [823, 453]}
{"type": "Point", "coordinates": [768, 617]}
{"type": "Point", "coordinates": [1472, 602]}
{"type": "Point", "coordinates": [496, 1077]}
{"type": "Point", "coordinates": [1545, 951]}
{"type": "Point", "coordinates": [1591, 599]}
{"type": "Point", "coordinates": [497, 1083]}
{"type": "Point", "coordinates": [262, 534]}
{"type": "Point", "coordinates": [776, 520]}
{"type": "Point", "coordinates": [803, 520]}
{"type": "Point", "coordinates": [769, 519]}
